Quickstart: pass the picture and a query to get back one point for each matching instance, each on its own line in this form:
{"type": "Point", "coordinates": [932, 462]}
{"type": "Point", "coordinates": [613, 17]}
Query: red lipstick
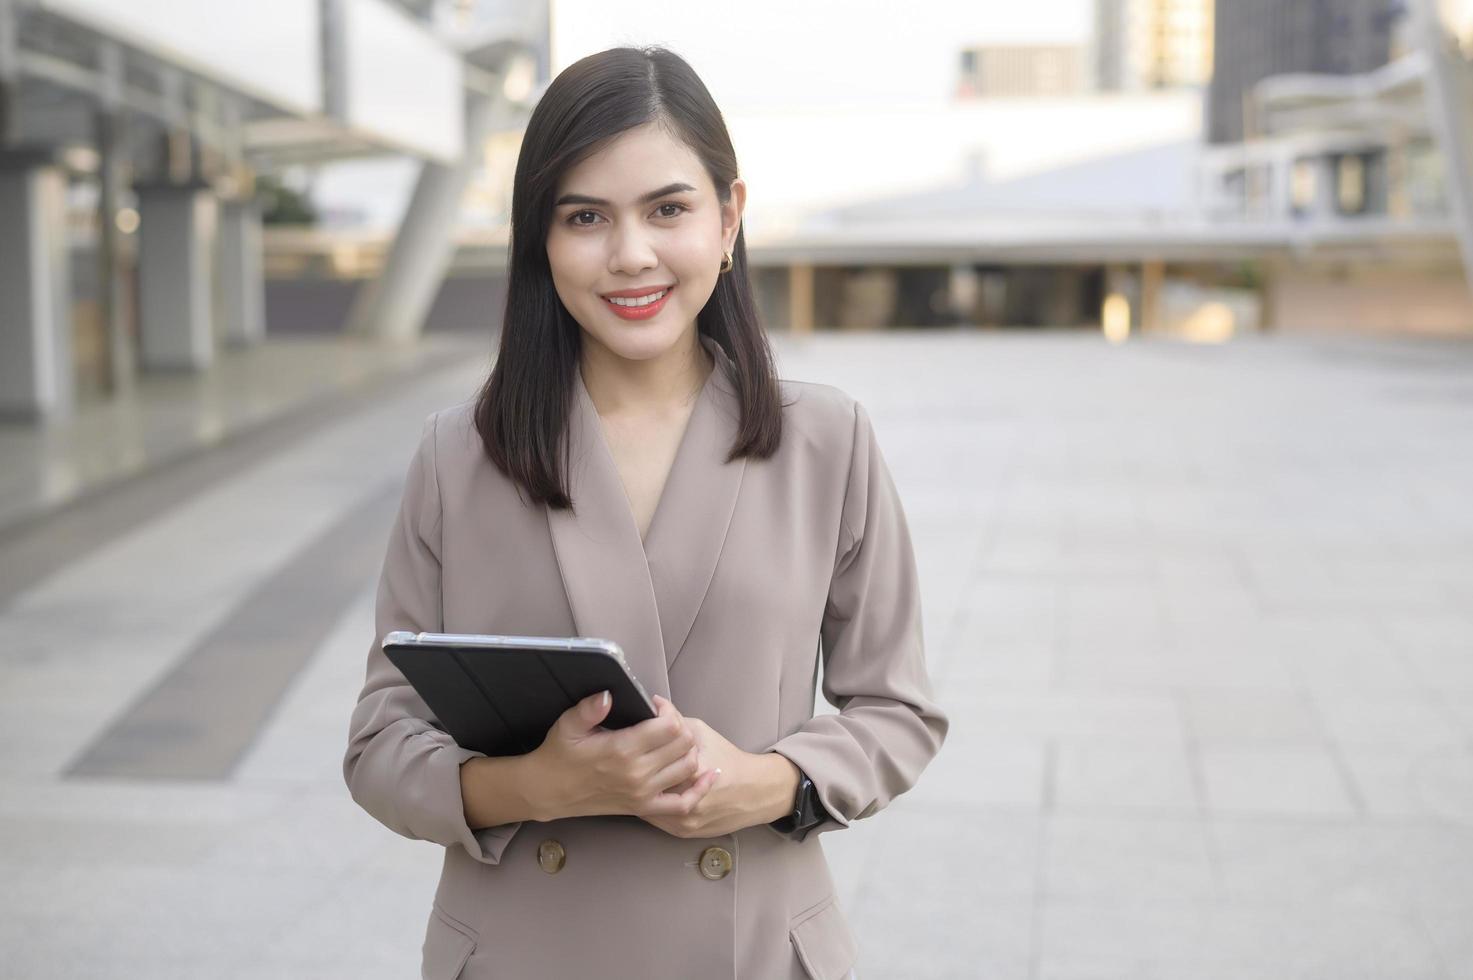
{"type": "Point", "coordinates": [638, 312]}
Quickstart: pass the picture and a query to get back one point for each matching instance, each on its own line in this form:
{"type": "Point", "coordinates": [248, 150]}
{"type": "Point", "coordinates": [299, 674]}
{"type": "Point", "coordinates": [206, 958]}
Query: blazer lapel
{"type": "Point", "coordinates": [645, 595]}
{"type": "Point", "coordinates": [689, 527]}
{"type": "Point", "coordinates": [599, 554]}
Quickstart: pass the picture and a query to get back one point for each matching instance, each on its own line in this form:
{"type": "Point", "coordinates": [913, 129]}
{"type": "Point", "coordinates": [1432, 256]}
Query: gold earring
{"type": "Point", "coordinates": [726, 262]}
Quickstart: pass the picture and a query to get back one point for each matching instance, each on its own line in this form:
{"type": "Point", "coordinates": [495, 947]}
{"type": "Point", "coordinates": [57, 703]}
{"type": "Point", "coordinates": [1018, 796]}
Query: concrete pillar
{"type": "Point", "coordinates": [1258, 179]}
{"type": "Point", "coordinates": [1153, 274]}
{"type": "Point", "coordinates": [964, 290]}
{"type": "Point", "coordinates": [1326, 187]}
{"type": "Point", "coordinates": [9, 73]}
{"type": "Point", "coordinates": [1280, 205]}
{"type": "Point", "coordinates": [1270, 271]}
{"type": "Point", "coordinates": [1398, 201]}
{"type": "Point", "coordinates": [393, 305]}
{"type": "Point", "coordinates": [116, 291]}
{"type": "Point", "coordinates": [1119, 313]}
{"type": "Point", "coordinates": [1449, 87]}
{"type": "Point", "coordinates": [800, 298]}
{"type": "Point", "coordinates": [176, 263]}
{"type": "Point", "coordinates": [111, 123]}
{"type": "Point", "coordinates": [36, 370]}
{"type": "Point", "coordinates": [242, 282]}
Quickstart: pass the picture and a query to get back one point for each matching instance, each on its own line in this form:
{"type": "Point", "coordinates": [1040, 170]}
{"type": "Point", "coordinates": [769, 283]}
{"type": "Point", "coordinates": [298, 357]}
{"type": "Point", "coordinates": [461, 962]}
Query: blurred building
{"type": "Point", "coordinates": [133, 139]}
{"type": "Point", "coordinates": [1029, 209]}
{"type": "Point", "coordinates": [1359, 170]}
{"type": "Point", "coordinates": [1152, 44]}
{"type": "Point", "coordinates": [1256, 39]}
{"type": "Point", "coordinates": [1006, 70]}
{"type": "Point", "coordinates": [1330, 147]}
{"type": "Point", "coordinates": [1135, 45]}
{"type": "Point", "coordinates": [1342, 210]}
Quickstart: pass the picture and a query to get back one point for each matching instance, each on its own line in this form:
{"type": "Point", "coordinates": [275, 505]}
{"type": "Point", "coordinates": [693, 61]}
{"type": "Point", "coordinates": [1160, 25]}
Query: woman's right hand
{"type": "Point", "coordinates": [590, 770]}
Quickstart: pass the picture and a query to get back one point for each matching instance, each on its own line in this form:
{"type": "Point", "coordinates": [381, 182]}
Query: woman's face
{"type": "Point", "coordinates": [640, 214]}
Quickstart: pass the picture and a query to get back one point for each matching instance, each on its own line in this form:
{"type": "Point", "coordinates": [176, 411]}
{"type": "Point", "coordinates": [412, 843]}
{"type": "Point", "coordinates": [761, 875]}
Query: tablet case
{"type": "Point", "coordinates": [501, 694]}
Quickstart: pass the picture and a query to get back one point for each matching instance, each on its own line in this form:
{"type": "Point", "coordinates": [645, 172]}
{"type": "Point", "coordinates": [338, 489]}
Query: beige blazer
{"type": "Point", "coordinates": [749, 570]}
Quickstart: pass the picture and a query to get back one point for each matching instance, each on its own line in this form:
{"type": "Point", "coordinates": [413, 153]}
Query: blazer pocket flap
{"type": "Point", "coordinates": [824, 943]}
{"type": "Point", "coordinates": [448, 944]}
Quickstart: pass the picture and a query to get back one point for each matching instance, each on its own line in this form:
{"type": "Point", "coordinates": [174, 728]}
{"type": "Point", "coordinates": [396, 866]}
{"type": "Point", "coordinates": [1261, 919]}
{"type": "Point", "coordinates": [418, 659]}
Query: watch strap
{"type": "Point", "coordinates": [808, 811]}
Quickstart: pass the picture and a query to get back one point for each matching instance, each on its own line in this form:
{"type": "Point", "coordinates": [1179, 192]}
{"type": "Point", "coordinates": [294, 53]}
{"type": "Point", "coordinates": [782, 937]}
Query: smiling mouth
{"type": "Point", "coordinates": [635, 302]}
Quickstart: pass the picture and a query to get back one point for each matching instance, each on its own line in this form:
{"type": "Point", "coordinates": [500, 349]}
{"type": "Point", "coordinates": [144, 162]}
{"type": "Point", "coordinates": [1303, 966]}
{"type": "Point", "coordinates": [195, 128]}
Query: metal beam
{"type": "Point", "coordinates": [96, 84]}
{"type": "Point", "coordinates": [171, 107]}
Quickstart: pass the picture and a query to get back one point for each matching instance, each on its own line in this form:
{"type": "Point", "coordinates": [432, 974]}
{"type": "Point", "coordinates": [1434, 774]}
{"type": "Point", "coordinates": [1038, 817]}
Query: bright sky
{"type": "Point", "coordinates": [835, 101]}
{"type": "Point", "coordinates": [770, 53]}
{"type": "Point", "coordinates": [830, 102]}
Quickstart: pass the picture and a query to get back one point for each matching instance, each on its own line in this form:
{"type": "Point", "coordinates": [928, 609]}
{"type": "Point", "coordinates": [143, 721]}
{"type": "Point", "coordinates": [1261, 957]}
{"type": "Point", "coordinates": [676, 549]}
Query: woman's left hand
{"type": "Point", "coordinates": [727, 806]}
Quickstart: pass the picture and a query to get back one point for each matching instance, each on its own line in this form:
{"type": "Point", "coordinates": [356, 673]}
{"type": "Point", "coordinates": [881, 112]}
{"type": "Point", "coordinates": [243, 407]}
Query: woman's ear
{"type": "Point", "coordinates": [731, 213]}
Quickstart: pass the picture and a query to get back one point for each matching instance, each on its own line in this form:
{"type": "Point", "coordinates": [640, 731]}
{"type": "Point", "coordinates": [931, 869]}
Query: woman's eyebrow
{"type": "Point", "coordinates": [643, 198]}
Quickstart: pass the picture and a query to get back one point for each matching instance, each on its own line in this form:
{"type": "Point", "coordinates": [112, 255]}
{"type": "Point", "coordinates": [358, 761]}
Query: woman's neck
{"type": "Point", "coordinates": [657, 386]}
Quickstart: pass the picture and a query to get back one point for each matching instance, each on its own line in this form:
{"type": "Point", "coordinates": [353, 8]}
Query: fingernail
{"type": "Point", "coordinates": [604, 701]}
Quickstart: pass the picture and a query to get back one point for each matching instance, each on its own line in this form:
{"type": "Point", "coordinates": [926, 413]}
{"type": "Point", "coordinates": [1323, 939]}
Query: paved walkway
{"type": "Point", "coordinates": [168, 416]}
{"type": "Point", "coordinates": [1203, 617]}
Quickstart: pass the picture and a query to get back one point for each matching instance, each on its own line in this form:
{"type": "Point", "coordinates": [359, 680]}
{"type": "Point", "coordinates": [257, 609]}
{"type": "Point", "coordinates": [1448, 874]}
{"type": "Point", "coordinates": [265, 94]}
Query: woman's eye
{"type": "Point", "coordinates": [576, 217]}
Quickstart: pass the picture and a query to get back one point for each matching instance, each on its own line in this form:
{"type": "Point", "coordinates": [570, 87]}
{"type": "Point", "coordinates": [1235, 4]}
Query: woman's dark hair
{"type": "Point", "coordinates": [522, 409]}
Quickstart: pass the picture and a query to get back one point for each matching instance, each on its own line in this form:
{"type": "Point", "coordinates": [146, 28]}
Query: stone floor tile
{"type": "Point", "coordinates": [904, 938]}
{"type": "Point", "coordinates": [1385, 721]}
{"type": "Point", "coordinates": [1090, 856]}
{"type": "Point", "coordinates": [1073, 715]}
{"type": "Point", "coordinates": [1332, 863]}
{"type": "Point", "coordinates": [1245, 716]}
{"type": "Point", "coordinates": [1432, 783]}
{"type": "Point", "coordinates": [980, 770]}
{"type": "Point", "coordinates": [1155, 776]}
{"type": "Point", "coordinates": [1452, 938]}
{"type": "Point", "coordinates": [1283, 780]}
{"type": "Point", "coordinates": [956, 854]}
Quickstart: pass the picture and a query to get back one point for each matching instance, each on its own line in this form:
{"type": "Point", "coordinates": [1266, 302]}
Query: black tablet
{"type": "Point", "coordinates": [500, 694]}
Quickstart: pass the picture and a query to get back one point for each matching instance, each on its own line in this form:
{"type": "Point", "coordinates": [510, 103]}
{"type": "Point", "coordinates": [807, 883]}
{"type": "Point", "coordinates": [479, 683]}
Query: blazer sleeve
{"type": "Point", "coordinates": [401, 765]}
{"type": "Point", "coordinates": [889, 725]}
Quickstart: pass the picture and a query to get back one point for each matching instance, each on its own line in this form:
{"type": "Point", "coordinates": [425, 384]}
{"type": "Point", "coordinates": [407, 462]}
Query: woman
{"type": "Point", "coordinates": [634, 470]}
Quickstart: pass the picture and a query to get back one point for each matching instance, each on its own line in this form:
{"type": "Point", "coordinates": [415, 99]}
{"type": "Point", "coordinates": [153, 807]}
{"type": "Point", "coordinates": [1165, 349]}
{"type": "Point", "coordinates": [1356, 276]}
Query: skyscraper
{"type": "Point", "coordinates": [1152, 44]}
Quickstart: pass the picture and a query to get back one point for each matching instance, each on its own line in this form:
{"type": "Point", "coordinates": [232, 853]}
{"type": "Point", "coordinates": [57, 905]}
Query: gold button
{"type": "Point", "coordinates": [551, 856]}
{"type": "Point", "coordinates": [715, 863]}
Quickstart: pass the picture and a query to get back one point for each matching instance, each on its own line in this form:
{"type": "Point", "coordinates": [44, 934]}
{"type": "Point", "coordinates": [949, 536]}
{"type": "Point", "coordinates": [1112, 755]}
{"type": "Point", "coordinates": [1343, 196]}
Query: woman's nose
{"type": "Point", "coordinates": [631, 251]}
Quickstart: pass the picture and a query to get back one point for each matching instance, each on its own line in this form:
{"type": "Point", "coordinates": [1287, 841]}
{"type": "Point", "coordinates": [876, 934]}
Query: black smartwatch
{"type": "Point", "coordinates": [807, 813]}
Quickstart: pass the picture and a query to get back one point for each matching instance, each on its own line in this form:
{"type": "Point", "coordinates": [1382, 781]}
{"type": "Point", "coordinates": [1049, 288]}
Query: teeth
{"type": "Point", "coordinates": [639, 301]}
